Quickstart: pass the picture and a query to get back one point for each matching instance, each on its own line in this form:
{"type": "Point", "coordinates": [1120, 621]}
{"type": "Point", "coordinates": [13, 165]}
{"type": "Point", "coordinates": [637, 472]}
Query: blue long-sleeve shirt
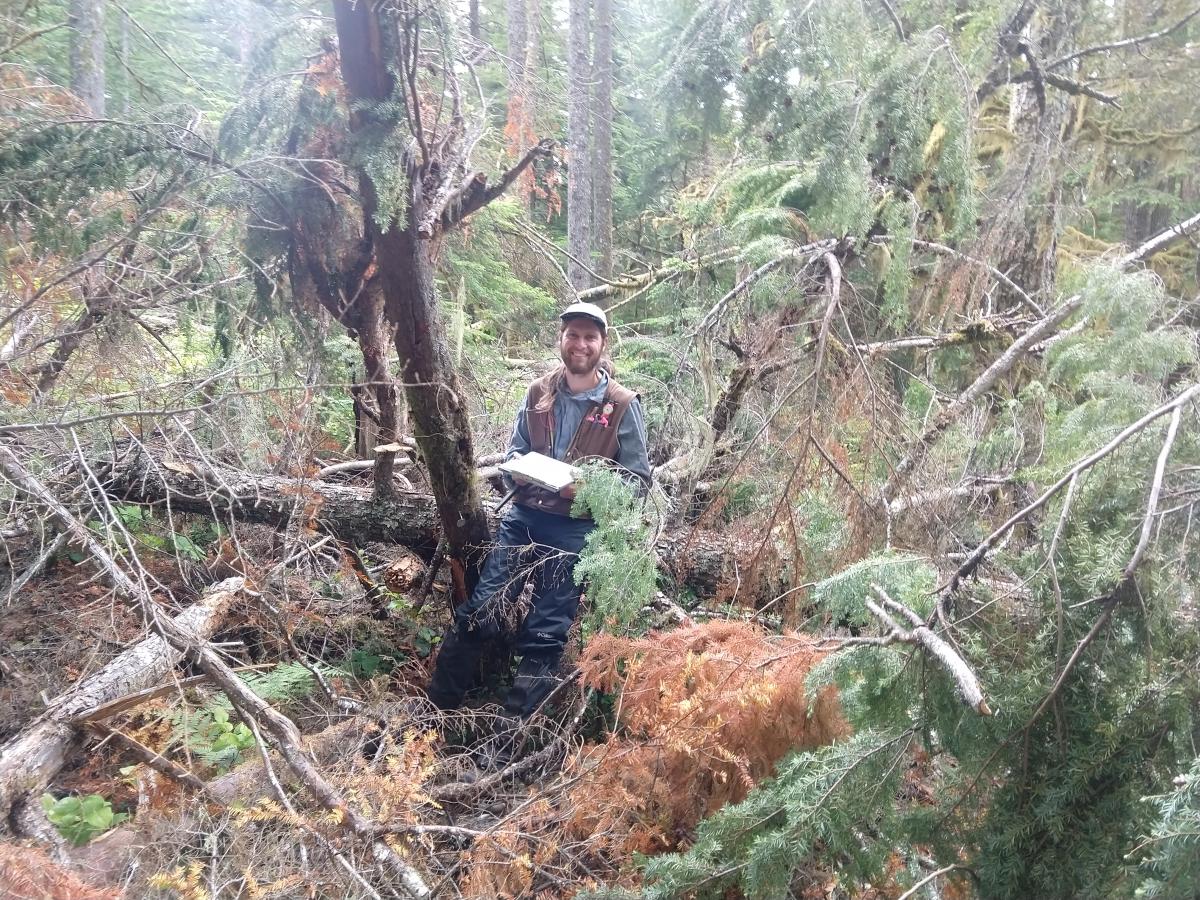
{"type": "Point", "coordinates": [569, 410]}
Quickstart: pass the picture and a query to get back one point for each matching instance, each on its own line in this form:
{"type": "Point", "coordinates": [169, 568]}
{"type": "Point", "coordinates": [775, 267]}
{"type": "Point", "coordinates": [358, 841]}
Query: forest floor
{"type": "Point", "coordinates": [581, 795]}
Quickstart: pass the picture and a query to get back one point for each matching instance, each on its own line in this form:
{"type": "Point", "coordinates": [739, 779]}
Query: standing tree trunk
{"type": "Point", "coordinates": [524, 41]}
{"type": "Point", "coordinates": [123, 51]}
{"type": "Point", "coordinates": [86, 20]}
{"type": "Point", "coordinates": [516, 41]}
{"type": "Point", "coordinates": [579, 144]}
{"type": "Point", "coordinates": [473, 20]}
{"type": "Point", "coordinates": [375, 45]}
{"type": "Point", "coordinates": [602, 135]}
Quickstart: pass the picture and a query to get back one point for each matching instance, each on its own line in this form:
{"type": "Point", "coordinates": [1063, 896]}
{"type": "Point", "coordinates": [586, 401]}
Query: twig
{"type": "Point", "coordinates": [37, 565]}
{"type": "Point", "coordinates": [459, 791]}
{"type": "Point", "coordinates": [912, 891]}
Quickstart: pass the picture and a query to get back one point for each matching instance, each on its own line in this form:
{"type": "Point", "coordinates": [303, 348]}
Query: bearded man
{"type": "Point", "coordinates": [577, 412]}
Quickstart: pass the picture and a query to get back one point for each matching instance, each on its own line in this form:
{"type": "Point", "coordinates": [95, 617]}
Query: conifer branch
{"type": "Point", "coordinates": [984, 383]}
{"type": "Point", "coordinates": [1113, 598]}
{"type": "Point", "coordinates": [977, 555]}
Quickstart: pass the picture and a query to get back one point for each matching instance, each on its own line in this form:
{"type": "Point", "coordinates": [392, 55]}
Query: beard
{"type": "Point", "coordinates": [579, 365]}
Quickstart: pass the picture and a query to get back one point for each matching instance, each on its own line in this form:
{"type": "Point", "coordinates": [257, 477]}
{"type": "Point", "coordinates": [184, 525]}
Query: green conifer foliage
{"type": "Point", "coordinates": [617, 566]}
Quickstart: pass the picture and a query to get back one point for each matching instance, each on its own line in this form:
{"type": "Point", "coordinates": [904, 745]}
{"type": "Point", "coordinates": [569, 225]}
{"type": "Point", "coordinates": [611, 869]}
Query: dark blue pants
{"type": "Point", "coordinates": [530, 544]}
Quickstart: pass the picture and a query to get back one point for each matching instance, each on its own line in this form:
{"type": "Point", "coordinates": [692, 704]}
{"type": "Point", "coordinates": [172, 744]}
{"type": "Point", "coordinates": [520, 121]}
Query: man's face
{"type": "Point", "coordinates": [580, 344]}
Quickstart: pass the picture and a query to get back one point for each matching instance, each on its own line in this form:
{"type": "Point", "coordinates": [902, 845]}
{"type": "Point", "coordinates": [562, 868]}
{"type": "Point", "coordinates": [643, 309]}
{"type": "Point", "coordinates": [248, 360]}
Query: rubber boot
{"type": "Point", "coordinates": [537, 676]}
{"type": "Point", "coordinates": [457, 666]}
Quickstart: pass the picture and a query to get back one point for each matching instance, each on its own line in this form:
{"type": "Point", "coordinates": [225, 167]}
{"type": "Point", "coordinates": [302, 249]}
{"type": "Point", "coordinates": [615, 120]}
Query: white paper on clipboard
{"type": "Point", "coordinates": [544, 471]}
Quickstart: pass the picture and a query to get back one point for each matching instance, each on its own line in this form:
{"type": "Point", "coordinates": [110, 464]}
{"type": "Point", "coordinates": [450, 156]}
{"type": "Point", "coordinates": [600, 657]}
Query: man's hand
{"type": "Point", "coordinates": [567, 492]}
{"type": "Point", "coordinates": [519, 480]}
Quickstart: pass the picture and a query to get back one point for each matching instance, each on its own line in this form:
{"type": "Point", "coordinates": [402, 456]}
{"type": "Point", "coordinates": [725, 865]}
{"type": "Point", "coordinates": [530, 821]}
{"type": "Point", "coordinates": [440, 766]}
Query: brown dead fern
{"type": "Point", "coordinates": [706, 712]}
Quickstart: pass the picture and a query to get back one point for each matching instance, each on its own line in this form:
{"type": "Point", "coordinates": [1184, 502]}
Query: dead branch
{"type": "Point", "coordinates": [1160, 241]}
{"type": "Point", "coordinates": [891, 12]}
{"type": "Point", "coordinates": [976, 557]}
{"type": "Point", "coordinates": [48, 553]}
{"type": "Point", "coordinates": [475, 193]}
{"type": "Point", "coordinates": [807, 252]}
{"type": "Point", "coordinates": [920, 635]}
{"type": "Point", "coordinates": [156, 761]}
{"type": "Point", "coordinates": [943, 250]}
{"type": "Point", "coordinates": [652, 276]}
{"type": "Point", "coordinates": [1067, 85]}
{"type": "Point", "coordinates": [940, 495]}
{"type": "Point", "coordinates": [966, 400]}
{"type": "Point", "coordinates": [1135, 42]}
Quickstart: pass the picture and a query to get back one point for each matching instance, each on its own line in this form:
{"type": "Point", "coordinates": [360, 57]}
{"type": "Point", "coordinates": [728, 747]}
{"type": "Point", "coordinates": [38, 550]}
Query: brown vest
{"type": "Point", "coordinates": [595, 438]}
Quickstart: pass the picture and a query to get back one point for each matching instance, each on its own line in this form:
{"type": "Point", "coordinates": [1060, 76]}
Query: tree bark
{"type": "Point", "coordinates": [473, 20]}
{"type": "Point", "coordinates": [438, 409]}
{"type": "Point", "coordinates": [602, 136]}
{"type": "Point", "coordinates": [86, 20]}
{"type": "Point", "coordinates": [579, 144]}
{"type": "Point", "coordinates": [31, 759]}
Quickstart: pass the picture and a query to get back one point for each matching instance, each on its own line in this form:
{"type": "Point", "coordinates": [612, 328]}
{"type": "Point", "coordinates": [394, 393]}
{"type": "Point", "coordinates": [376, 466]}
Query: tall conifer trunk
{"type": "Point", "coordinates": [579, 145]}
{"type": "Point", "coordinates": [602, 134]}
{"type": "Point", "coordinates": [86, 20]}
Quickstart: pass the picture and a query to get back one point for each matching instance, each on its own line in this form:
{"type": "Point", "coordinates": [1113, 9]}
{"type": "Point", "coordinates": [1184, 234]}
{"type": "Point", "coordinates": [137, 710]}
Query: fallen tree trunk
{"type": "Point", "coordinates": [703, 562]}
{"type": "Point", "coordinates": [32, 758]}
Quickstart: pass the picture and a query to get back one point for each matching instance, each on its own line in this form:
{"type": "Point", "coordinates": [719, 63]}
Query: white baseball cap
{"type": "Point", "coordinates": [586, 311]}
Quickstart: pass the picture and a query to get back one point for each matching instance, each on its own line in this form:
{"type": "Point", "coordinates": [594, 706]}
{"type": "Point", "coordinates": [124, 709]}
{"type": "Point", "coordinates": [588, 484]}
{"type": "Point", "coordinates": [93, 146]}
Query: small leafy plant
{"type": "Point", "coordinates": [79, 819]}
{"type": "Point", "coordinates": [228, 738]}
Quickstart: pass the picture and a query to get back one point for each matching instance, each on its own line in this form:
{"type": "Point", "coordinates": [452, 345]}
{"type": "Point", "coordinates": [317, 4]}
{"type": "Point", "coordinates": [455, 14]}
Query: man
{"type": "Point", "coordinates": [577, 412]}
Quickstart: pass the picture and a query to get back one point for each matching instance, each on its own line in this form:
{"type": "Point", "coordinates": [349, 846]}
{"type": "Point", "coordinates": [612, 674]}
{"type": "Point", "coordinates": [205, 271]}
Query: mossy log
{"type": "Point", "coordinates": [705, 563]}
